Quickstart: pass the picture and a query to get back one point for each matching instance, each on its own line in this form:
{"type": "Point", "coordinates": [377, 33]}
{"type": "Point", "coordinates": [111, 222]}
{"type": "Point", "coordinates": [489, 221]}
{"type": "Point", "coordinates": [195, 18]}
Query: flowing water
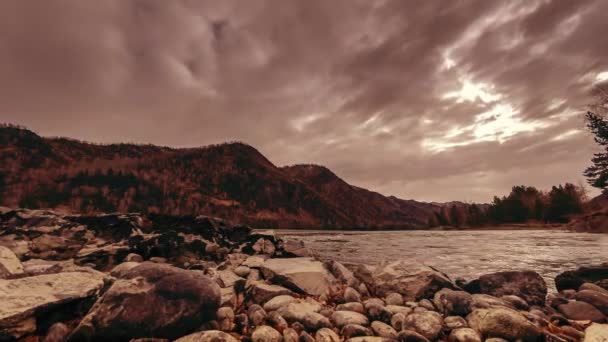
{"type": "Point", "coordinates": [465, 254]}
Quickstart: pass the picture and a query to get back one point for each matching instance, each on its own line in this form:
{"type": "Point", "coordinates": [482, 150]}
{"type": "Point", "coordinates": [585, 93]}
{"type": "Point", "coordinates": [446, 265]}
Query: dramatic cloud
{"type": "Point", "coordinates": [432, 100]}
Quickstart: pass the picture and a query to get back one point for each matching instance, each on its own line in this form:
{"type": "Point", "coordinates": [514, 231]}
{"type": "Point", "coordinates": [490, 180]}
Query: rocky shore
{"type": "Point", "coordinates": [161, 278]}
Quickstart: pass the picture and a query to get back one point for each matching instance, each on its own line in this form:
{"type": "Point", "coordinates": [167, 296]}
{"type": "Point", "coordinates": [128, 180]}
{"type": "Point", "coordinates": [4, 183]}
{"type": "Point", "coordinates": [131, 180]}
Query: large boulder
{"type": "Point", "coordinates": [24, 300]}
{"type": "Point", "coordinates": [304, 275]}
{"type": "Point", "coordinates": [10, 265]}
{"type": "Point", "coordinates": [450, 302]}
{"type": "Point", "coordinates": [503, 323]}
{"type": "Point", "coordinates": [527, 285]}
{"type": "Point", "coordinates": [572, 280]}
{"type": "Point", "coordinates": [411, 279]}
{"type": "Point", "coordinates": [151, 300]}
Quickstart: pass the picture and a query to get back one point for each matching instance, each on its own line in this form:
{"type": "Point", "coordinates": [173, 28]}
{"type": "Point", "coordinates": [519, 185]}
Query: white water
{"type": "Point", "coordinates": [465, 254]}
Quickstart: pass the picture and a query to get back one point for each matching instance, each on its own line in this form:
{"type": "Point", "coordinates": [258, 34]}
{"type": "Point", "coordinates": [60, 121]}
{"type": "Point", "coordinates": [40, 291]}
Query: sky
{"type": "Point", "coordinates": [431, 100]}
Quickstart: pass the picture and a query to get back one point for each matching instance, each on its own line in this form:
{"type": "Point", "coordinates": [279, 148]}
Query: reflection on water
{"type": "Point", "coordinates": [466, 254]}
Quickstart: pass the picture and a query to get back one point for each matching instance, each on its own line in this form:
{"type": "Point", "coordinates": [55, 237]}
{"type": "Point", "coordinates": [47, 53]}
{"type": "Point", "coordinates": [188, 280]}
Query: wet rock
{"type": "Point", "coordinates": [132, 257]}
{"type": "Point", "coordinates": [260, 292]}
{"type": "Point", "coordinates": [10, 266]}
{"type": "Point", "coordinates": [242, 271]}
{"type": "Point", "coordinates": [225, 318]}
{"type": "Point", "coordinates": [455, 322]}
{"type": "Point", "coordinates": [342, 274]}
{"type": "Point", "coordinates": [290, 335]}
{"type": "Point", "coordinates": [351, 295]}
{"type": "Point", "coordinates": [278, 302]}
{"type": "Point", "coordinates": [353, 306]}
{"type": "Point", "coordinates": [342, 318]}
{"type": "Point", "coordinates": [502, 322]}
{"type": "Point", "coordinates": [394, 298]}
{"type": "Point", "coordinates": [411, 336]}
{"type": "Point", "coordinates": [450, 302]}
{"type": "Point", "coordinates": [464, 335]}
{"type": "Point", "coordinates": [265, 333]}
{"type": "Point", "coordinates": [277, 321]}
{"type": "Point", "coordinates": [151, 300]}
{"type": "Point", "coordinates": [428, 324]}
{"type": "Point", "coordinates": [581, 311]}
{"type": "Point", "coordinates": [58, 332]}
{"type": "Point", "coordinates": [409, 278]}
{"type": "Point", "coordinates": [355, 330]}
{"type": "Point", "coordinates": [326, 335]}
{"type": "Point", "coordinates": [24, 298]}
{"type": "Point", "coordinates": [376, 301]}
{"type": "Point", "coordinates": [595, 298]}
{"type": "Point", "coordinates": [304, 275]}
{"type": "Point", "coordinates": [208, 336]}
{"type": "Point", "coordinates": [383, 330]}
{"type": "Point", "coordinates": [596, 333]}
{"type": "Point", "coordinates": [527, 285]}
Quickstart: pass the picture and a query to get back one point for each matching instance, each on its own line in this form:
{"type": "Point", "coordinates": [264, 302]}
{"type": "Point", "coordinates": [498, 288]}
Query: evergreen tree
{"type": "Point", "coordinates": [597, 174]}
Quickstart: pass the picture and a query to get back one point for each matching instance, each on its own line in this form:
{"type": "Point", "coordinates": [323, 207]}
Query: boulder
{"type": "Point", "coordinates": [151, 300]}
{"type": "Point", "coordinates": [454, 322]}
{"type": "Point", "coordinates": [595, 298]}
{"type": "Point", "coordinates": [351, 295]}
{"type": "Point", "coordinates": [265, 333]}
{"type": "Point", "coordinates": [351, 306]}
{"type": "Point", "coordinates": [394, 298]}
{"type": "Point", "coordinates": [260, 292]}
{"type": "Point", "coordinates": [342, 318]}
{"type": "Point", "coordinates": [371, 339]}
{"type": "Point", "coordinates": [354, 330]}
{"type": "Point", "coordinates": [24, 299]}
{"type": "Point", "coordinates": [343, 274]}
{"type": "Point", "coordinates": [296, 248]}
{"type": "Point", "coordinates": [121, 269]}
{"type": "Point", "coordinates": [464, 335]}
{"type": "Point", "coordinates": [290, 335]}
{"type": "Point", "coordinates": [450, 302]}
{"type": "Point", "coordinates": [586, 274]}
{"type": "Point", "coordinates": [304, 275]}
{"type": "Point", "coordinates": [411, 336]}
{"type": "Point", "coordinates": [528, 285]}
{"type": "Point", "coordinates": [596, 333]}
{"type": "Point", "coordinates": [383, 330]}
{"type": "Point", "coordinates": [278, 302]}
{"type": "Point", "coordinates": [504, 323]}
{"type": "Point", "coordinates": [428, 324]}
{"type": "Point", "coordinates": [305, 313]}
{"type": "Point", "coordinates": [326, 335]}
{"type": "Point", "coordinates": [581, 311]}
{"type": "Point", "coordinates": [10, 266]}
{"type": "Point", "coordinates": [483, 301]}
{"type": "Point", "coordinates": [412, 280]}
{"type": "Point", "coordinates": [208, 336]}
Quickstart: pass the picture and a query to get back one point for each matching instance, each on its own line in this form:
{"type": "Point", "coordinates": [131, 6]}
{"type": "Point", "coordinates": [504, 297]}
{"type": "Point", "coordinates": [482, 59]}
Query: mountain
{"type": "Point", "coordinates": [231, 180]}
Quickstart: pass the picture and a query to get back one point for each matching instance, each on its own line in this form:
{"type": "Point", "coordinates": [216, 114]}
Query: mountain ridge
{"type": "Point", "coordinates": [231, 180]}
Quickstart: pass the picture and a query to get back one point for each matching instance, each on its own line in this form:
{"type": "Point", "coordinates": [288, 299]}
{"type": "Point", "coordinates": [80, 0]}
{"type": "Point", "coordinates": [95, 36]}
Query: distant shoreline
{"type": "Point", "coordinates": [526, 226]}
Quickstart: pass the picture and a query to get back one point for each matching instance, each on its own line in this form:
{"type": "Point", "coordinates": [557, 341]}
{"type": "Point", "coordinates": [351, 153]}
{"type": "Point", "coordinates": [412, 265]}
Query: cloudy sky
{"type": "Point", "coordinates": [431, 100]}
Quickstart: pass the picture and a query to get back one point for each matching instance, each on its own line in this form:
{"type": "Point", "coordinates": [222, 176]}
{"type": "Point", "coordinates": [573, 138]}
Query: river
{"type": "Point", "coordinates": [465, 254]}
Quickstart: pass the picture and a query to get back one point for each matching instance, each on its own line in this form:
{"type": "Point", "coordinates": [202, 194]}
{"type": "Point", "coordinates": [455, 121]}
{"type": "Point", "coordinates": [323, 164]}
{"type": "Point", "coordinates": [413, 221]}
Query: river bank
{"type": "Point", "coordinates": [125, 277]}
